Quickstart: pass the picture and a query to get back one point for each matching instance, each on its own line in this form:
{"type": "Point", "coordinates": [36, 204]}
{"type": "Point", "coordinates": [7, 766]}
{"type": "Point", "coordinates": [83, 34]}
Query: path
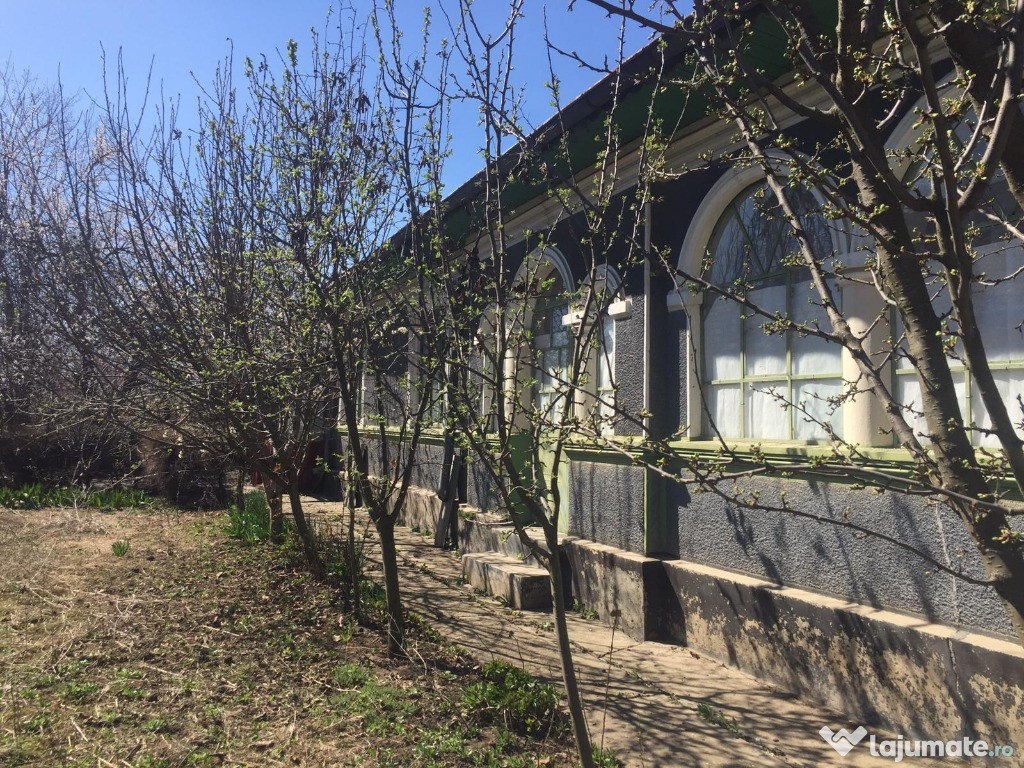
{"type": "Point", "coordinates": [643, 696]}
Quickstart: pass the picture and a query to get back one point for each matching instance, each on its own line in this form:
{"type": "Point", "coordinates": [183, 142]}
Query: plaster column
{"type": "Point", "coordinates": [863, 415]}
{"type": "Point", "coordinates": [681, 300]}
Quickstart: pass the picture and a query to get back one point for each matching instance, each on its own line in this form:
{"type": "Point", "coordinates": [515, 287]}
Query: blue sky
{"type": "Point", "coordinates": [189, 37]}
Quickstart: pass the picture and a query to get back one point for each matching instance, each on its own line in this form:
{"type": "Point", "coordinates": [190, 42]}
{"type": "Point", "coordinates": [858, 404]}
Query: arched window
{"type": "Point", "coordinates": [597, 402]}
{"type": "Point", "coordinates": [761, 382]}
{"type": "Point", "coordinates": [551, 341]}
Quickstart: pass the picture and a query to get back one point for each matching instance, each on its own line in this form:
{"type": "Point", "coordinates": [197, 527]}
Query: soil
{"type": "Point", "coordinates": [192, 649]}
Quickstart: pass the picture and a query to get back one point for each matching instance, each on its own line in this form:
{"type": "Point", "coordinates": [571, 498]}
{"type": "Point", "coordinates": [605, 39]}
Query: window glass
{"type": "Point", "coordinates": [998, 295]}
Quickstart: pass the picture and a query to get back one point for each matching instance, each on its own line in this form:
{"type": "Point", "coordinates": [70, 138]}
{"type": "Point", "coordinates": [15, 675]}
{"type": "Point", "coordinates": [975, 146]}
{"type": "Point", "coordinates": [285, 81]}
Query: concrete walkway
{"type": "Point", "coordinates": [642, 698]}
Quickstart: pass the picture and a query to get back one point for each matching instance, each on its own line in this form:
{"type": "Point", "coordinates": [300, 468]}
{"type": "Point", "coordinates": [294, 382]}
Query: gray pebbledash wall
{"type": "Point", "coordinates": [801, 552]}
{"type": "Point", "coordinates": [606, 503]}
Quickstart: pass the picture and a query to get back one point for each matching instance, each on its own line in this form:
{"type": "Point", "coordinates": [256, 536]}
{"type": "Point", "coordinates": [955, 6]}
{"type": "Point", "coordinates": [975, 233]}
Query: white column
{"type": "Point", "coordinates": [863, 415]}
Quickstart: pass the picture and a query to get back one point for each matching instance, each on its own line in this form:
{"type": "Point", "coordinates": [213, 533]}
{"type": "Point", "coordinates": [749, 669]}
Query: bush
{"type": "Point", "coordinates": [512, 696]}
{"type": "Point", "coordinates": [47, 450]}
{"type": "Point", "coordinates": [251, 523]}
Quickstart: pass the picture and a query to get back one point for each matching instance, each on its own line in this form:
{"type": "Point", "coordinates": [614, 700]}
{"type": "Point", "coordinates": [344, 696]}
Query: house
{"type": "Point", "coordinates": [877, 625]}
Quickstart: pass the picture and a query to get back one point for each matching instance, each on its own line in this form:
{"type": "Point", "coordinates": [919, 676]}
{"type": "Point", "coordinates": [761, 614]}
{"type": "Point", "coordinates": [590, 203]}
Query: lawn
{"type": "Point", "coordinates": [148, 638]}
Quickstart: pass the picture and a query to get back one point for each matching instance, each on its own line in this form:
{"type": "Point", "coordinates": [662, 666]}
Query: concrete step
{"type": "Point", "coordinates": [492, 534]}
{"type": "Point", "coordinates": [525, 587]}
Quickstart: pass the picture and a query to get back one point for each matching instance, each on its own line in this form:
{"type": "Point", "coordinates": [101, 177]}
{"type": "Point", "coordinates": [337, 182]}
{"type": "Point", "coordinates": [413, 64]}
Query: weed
{"type": "Point", "coordinates": [384, 709]}
{"type": "Point", "coordinates": [346, 631]}
{"type": "Point", "coordinates": [148, 761]}
{"type": "Point", "coordinates": [251, 523]}
{"type": "Point", "coordinates": [155, 725]}
{"type": "Point", "coordinates": [605, 758]}
{"type": "Point", "coordinates": [512, 696]}
{"type": "Point", "coordinates": [37, 724]}
{"type": "Point", "coordinates": [717, 717]}
{"type": "Point", "coordinates": [584, 611]}
{"type": "Point", "coordinates": [132, 694]}
{"type": "Point", "coordinates": [120, 547]}
{"type": "Point", "coordinates": [439, 743]}
{"type": "Point", "coordinates": [80, 691]}
{"type": "Point", "coordinates": [38, 496]}
{"type": "Point", "coordinates": [113, 718]}
{"type": "Point", "coordinates": [350, 675]}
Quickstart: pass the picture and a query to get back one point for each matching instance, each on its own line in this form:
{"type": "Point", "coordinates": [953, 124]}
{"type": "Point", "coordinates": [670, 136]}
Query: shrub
{"type": "Point", "coordinates": [186, 477]}
{"type": "Point", "coordinates": [251, 523]}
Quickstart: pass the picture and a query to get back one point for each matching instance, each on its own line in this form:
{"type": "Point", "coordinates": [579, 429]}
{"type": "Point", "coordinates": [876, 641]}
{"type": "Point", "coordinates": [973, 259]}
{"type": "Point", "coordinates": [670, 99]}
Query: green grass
{"type": "Point", "coordinates": [251, 523]}
{"type": "Point", "coordinates": [120, 547]}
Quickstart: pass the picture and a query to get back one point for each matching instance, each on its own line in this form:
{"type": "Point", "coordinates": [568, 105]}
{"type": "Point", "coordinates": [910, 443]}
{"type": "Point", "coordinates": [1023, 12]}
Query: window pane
{"type": "Point", "coordinates": [730, 250]}
{"type": "Point", "coordinates": [767, 416]}
{"type": "Point", "coordinates": [813, 396]}
{"type": "Point", "coordinates": [1011, 387]}
{"type": "Point", "coordinates": [724, 409]}
{"type": "Point", "coordinates": [908, 392]}
{"type": "Point", "coordinates": [810, 354]}
{"type": "Point", "coordinates": [1000, 308]}
{"type": "Point", "coordinates": [765, 354]}
{"type": "Point", "coordinates": [722, 340]}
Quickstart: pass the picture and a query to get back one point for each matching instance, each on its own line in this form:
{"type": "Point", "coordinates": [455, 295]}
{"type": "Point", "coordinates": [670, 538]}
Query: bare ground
{"type": "Point", "coordinates": [195, 650]}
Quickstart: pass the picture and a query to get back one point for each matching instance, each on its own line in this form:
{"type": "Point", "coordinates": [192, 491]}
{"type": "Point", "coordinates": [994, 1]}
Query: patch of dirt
{"type": "Point", "coordinates": [195, 650]}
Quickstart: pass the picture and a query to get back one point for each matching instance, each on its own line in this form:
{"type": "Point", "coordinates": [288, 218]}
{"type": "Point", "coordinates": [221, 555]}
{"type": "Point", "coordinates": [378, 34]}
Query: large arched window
{"type": "Point", "coordinates": [603, 293]}
{"type": "Point", "coordinates": [760, 382]}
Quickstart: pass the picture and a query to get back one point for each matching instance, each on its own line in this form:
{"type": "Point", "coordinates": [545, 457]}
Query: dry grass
{"type": "Point", "coordinates": [195, 650]}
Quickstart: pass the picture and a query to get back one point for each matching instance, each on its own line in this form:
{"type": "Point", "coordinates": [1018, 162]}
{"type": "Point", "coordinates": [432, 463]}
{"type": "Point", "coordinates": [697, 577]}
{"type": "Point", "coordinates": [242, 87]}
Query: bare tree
{"type": "Point", "coordinates": [523, 343]}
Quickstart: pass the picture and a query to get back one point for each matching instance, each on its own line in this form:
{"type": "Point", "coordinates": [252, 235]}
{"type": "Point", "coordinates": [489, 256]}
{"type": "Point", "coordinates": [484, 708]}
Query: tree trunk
{"type": "Point", "coordinates": [572, 686]}
{"type": "Point", "coordinates": [275, 505]}
{"type": "Point", "coordinates": [355, 570]}
{"type": "Point", "coordinates": [1004, 563]}
{"type": "Point", "coordinates": [240, 489]}
{"type": "Point", "coordinates": [313, 559]}
{"type": "Point", "coordinates": [389, 557]}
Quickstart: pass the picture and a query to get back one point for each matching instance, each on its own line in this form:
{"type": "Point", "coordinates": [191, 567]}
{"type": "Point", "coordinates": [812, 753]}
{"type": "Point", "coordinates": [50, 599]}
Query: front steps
{"type": "Point", "coordinates": [521, 586]}
{"type": "Point", "coordinates": [497, 562]}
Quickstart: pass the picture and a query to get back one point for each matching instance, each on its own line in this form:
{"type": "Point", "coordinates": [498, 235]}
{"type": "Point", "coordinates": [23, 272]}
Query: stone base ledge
{"type": "Point", "coordinates": [422, 509]}
{"type": "Point", "coordinates": [623, 587]}
{"type": "Point", "coordinates": [926, 680]}
{"type": "Point", "coordinates": [880, 667]}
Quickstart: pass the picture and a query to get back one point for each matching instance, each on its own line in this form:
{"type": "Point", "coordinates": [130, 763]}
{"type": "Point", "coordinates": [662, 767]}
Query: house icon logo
{"type": "Point", "coordinates": [842, 741]}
